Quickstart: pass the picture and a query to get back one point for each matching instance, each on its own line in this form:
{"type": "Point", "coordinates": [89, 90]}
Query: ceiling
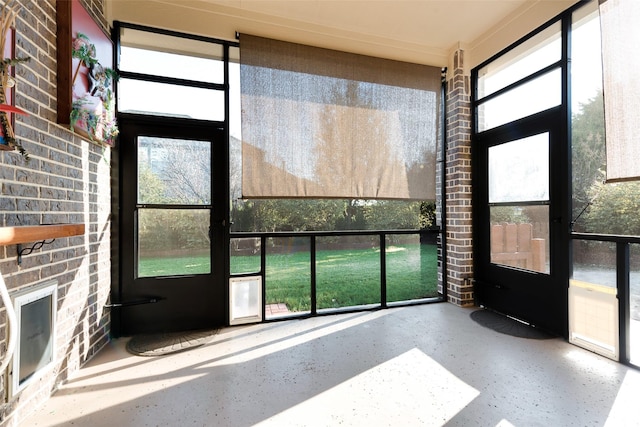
{"type": "Point", "coordinates": [423, 31]}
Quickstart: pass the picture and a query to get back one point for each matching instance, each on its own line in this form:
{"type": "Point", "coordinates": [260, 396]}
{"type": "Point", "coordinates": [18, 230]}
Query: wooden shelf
{"type": "Point", "coordinates": [36, 233]}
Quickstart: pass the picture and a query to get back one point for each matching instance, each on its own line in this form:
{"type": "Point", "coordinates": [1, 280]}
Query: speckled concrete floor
{"type": "Point", "coordinates": [425, 365]}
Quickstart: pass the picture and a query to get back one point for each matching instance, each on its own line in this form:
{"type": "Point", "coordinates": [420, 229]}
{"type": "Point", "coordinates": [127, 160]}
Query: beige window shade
{"type": "Point", "coordinates": [621, 64]}
{"type": "Point", "coordinates": [319, 123]}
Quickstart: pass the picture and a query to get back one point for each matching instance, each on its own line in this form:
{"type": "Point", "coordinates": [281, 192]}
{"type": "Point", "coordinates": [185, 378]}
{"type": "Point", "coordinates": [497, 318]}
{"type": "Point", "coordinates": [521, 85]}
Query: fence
{"type": "Point", "coordinates": [514, 245]}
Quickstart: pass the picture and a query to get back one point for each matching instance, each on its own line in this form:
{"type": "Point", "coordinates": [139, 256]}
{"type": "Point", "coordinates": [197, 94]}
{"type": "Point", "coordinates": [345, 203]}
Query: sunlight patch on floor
{"type": "Point", "coordinates": [294, 334]}
{"type": "Point", "coordinates": [624, 411]}
{"type": "Point", "coordinates": [411, 388]}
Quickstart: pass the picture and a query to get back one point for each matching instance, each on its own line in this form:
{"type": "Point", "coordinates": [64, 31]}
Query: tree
{"type": "Point", "coordinates": [608, 208]}
{"type": "Point", "coordinates": [614, 209]}
{"type": "Point", "coordinates": [175, 171]}
{"type": "Point", "coordinates": [392, 215]}
{"type": "Point", "coordinates": [151, 189]}
{"type": "Point", "coordinates": [588, 151]}
{"type": "Point", "coordinates": [509, 214]}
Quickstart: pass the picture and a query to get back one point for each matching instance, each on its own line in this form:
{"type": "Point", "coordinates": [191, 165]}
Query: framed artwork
{"type": "Point", "coordinates": [85, 74]}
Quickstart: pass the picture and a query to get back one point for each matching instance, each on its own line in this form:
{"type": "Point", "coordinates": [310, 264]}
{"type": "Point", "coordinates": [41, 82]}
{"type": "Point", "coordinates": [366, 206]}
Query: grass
{"type": "Point", "coordinates": [344, 277]}
{"type": "Point", "coordinates": [174, 265]}
{"type": "Point", "coordinates": [347, 278]}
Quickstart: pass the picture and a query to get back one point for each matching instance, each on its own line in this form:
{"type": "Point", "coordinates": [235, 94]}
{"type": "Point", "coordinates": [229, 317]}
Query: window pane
{"type": "Point", "coordinates": [537, 95]}
{"type": "Point", "coordinates": [594, 262]}
{"type": "Point", "coordinates": [288, 276]}
{"type": "Point", "coordinates": [519, 170]}
{"type": "Point", "coordinates": [347, 271]}
{"type": "Point", "coordinates": [162, 55]}
{"type": "Point", "coordinates": [173, 242]}
{"type": "Point", "coordinates": [587, 115]}
{"type": "Point", "coordinates": [520, 237]}
{"type": "Point", "coordinates": [607, 205]}
{"type": "Point", "coordinates": [235, 127]}
{"type": "Point", "coordinates": [412, 266]}
{"type": "Point", "coordinates": [533, 55]}
{"type": "Point", "coordinates": [245, 255]}
{"type": "Point", "coordinates": [159, 99]}
{"type": "Point", "coordinates": [614, 209]}
{"type": "Point", "coordinates": [174, 171]}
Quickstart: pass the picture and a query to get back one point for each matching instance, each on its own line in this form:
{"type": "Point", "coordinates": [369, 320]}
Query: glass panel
{"type": "Point", "coordinates": [536, 53]}
{"type": "Point", "coordinates": [159, 99]}
{"type": "Point", "coordinates": [174, 171]}
{"type": "Point", "coordinates": [412, 266]}
{"type": "Point", "coordinates": [235, 127]}
{"type": "Point", "coordinates": [587, 118]}
{"type": "Point", "coordinates": [288, 276]}
{"type": "Point", "coordinates": [173, 242]}
{"type": "Point", "coordinates": [245, 255]}
{"type": "Point", "coordinates": [347, 271]}
{"type": "Point", "coordinates": [235, 138]}
{"type": "Point", "coordinates": [519, 170]}
{"type": "Point", "coordinates": [271, 215]}
{"type": "Point", "coordinates": [163, 55]}
{"type": "Point", "coordinates": [593, 303]}
{"type": "Point", "coordinates": [614, 209]}
{"type": "Point", "coordinates": [594, 262]}
{"type": "Point", "coordinates": [537, 95]}
{"type": "Point", "coordinates": [634, 306]}
{"type": "Point", "coordinates": [520, 237]}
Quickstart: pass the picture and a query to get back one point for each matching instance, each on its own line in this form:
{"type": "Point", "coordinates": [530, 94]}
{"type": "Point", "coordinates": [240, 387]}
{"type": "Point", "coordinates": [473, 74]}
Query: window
{"type": "Point", "coordinates": [522, 82]}
{"type": "Point", "coordinates": [167, 75]}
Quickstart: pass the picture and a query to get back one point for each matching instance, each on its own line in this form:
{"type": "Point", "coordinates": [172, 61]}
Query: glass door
{"type": "Point", "coordinates": [521, 255]}
{"type": "Point", "coordinates": [173, 224]}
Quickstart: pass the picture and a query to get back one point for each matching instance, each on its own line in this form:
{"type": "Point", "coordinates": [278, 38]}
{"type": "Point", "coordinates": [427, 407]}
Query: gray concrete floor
{"type": "Point", "coordinates": [428, 365]}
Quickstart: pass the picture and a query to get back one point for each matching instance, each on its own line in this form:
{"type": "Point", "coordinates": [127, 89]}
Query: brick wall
{"type": "Point", "coordinates": [67, 180]}
{"type": "Point", "coordinates": [458, 184]}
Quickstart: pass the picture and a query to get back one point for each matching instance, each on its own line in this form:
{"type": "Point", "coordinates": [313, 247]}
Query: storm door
{"type": "Point", "coordinates": [521, 235]}
{"type": "Point", "coordinates": [173, 224]}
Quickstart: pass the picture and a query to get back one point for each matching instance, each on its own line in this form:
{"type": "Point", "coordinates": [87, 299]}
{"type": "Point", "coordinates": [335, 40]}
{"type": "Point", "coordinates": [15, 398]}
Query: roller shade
{"type": "Point", "coordinates": [621, 64]}
{"type": "Point", "coordinates": [319, 123]}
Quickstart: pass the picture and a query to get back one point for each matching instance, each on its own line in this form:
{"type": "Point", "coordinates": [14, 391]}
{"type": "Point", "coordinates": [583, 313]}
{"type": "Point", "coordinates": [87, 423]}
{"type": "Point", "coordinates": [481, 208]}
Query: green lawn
{"type": "Point", "coordinates": [351, 277]}
{"type": "Point", "coordinates": [346, 277]}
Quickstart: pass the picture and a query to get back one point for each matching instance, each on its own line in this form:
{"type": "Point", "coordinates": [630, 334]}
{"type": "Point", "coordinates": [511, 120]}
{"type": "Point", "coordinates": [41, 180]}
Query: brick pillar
{"type": "Point", "coordinates": [459, 255]}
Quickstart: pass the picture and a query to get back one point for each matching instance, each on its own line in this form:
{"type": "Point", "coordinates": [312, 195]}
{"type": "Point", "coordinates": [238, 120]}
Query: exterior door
{"type": "Point", "coordinates": [521, 220]}
{"type": "Point", "coordinates": [172, 226]}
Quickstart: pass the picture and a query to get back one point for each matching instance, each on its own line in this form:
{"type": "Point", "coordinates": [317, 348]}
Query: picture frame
{"type": "Point", "coordinates": [8, 90]}
{"type": "Point", "coordinates": [85, 74]}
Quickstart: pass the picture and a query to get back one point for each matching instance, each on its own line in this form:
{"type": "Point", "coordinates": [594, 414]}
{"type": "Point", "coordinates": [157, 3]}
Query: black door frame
{"type": "Point", "coordinates": [492, 281]}
{"type": "Point", "coordinates": [198, 301]}
{"type": "Point", "coordinates": [538, 298]}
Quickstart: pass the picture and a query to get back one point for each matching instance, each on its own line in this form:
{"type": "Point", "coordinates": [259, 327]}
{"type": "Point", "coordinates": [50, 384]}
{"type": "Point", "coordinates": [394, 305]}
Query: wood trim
{"type": "Point", "coordinates": [63, 49]}
{"type": "Point", "coordinates": [36, 233]}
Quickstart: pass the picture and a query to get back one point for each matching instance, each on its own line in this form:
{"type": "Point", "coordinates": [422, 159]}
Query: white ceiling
{"type": "Point", "coordinates": [436, 23]}
{"type": "Point", "coordinates": [423, 31]}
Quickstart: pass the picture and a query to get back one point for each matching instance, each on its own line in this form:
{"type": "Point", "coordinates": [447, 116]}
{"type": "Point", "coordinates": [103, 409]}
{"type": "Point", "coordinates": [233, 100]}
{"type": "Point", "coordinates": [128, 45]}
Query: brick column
{"type": "Point", "coordinates": [459, 255]}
